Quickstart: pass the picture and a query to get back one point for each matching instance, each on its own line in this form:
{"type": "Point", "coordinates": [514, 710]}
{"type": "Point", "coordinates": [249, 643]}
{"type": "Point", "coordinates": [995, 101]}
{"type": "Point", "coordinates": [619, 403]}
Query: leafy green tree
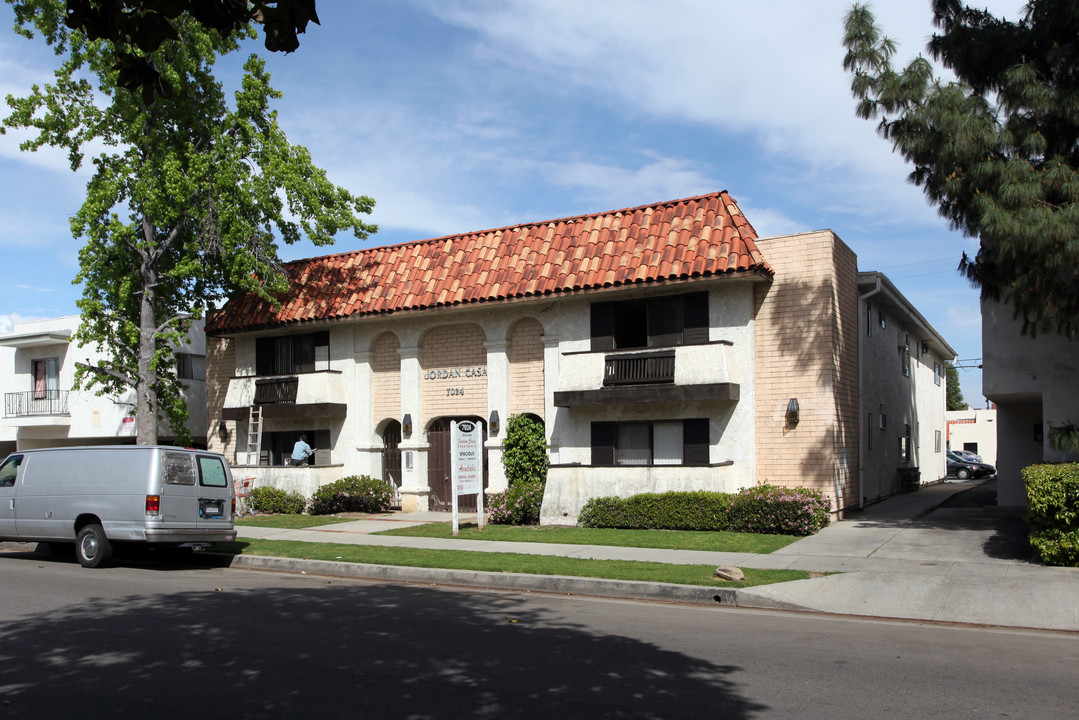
{"type": "Point", "coordinates": [997, 150]}
{"type": "Point", "coordinates": [954, 397]}
{"type": "Point", "coordinates": [524, 451]}
{"type": "Point", "coordinates": [136, 28]}
{"type": "Point", "coordinates": [188, 196]}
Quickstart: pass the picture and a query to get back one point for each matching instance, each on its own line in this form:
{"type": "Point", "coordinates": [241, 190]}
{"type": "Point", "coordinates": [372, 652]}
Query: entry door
{"type": "Point", "coordinates": [438, 467]}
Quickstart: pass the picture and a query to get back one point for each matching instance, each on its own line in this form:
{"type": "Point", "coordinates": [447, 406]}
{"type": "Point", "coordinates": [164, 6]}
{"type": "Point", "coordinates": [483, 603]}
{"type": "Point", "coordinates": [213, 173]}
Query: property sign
{"type": "Point", "coordinates": [466, 458]}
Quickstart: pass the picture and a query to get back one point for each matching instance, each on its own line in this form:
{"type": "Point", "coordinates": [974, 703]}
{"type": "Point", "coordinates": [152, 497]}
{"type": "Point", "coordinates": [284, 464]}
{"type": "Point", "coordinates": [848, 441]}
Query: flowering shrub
{"type": "Point", "coordinates": [520, 505]}
{"type": "Point", "coordinates": [779, 511]}
{"type": "Point", "coordinates": [356, 493]}
{"type": "Point", "coordinates": [1053, 512]}
{"type": "Point", "coordinates": [276, 500]}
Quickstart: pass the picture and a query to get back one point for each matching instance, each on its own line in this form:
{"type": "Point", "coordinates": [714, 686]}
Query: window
{"type": "Point", "coordinates": [190, 367]}
{"type": "Point", "coordinates": [883, 419]}
{"type": "Point", "coordinates": [652, 322]}
{"type": "Point", "coordinates": [869, 430]}
{"type": "Point", "coordinates": [869, 319]}
{"type": "Point", "coordinates": [880, 319]}
{"type": "Point", "coordinates": [10, 470]}
{"type": "Point", "coordinates": [904, 445]}
{"type": "Point", "coordinates": [936, 441]}
{"type": "Point", "coordinates": [666, 442]}
{"type": "Point", "coordinates": [292, 353]}
{"type": "Point", "coordinates": [277, 445]}
{"type": "Point", "coordinates": [212, 472]}
{"type": "Point", "coordinates": [179, 468]}
{"type": "Point", "coordinates": [904, 354]}
{"type": "Point", "coordinates": [936, 373]}
{"type": "Point", "coordinates": [46, 373]}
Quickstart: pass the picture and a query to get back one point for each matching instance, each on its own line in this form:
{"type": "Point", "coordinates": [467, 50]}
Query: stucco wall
{"type": "Point", "coordinates": [1035, 382]}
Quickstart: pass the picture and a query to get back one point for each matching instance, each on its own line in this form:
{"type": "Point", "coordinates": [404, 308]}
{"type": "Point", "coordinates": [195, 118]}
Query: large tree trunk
{"type": "Point", "coordinates": [146, 407]}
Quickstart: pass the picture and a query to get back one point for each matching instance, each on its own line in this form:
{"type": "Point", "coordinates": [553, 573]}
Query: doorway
{"type": "Point", "coordinates": [439, 464]}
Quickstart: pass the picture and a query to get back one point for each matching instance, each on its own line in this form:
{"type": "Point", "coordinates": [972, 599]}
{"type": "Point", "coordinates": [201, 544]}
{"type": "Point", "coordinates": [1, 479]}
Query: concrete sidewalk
{"type": "Point", "coordinates": [940, 554]}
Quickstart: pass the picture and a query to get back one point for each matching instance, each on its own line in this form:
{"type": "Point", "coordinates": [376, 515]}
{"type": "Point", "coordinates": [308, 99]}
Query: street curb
{"type": "Point", "coordinates": [553, 584]}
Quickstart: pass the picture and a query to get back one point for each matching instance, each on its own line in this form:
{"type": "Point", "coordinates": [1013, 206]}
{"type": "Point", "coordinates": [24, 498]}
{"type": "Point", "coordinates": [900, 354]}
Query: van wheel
{"type": "Point", "coordinates": [92, 548]}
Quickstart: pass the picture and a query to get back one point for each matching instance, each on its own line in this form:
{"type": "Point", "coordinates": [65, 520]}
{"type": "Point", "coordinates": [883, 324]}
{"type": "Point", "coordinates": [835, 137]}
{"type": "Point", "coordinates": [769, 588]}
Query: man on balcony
{"type": "Point", "coordinates": [301, 451]}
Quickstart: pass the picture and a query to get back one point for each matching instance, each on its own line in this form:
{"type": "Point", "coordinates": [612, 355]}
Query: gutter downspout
{"type": "Point", "coordinates": [861, 396]}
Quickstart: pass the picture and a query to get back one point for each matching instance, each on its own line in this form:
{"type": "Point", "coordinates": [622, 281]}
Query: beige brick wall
{"type": "Point", "coordinates": [456, 351]}
{"type": "Point", "coordinates": [806, 334]}
{"type": "Point", "coordinates": [386, 377]}
{"type": "Point", "coordinates": [525, 354]}
{"type": "Point", "coordinates": [220, 368]}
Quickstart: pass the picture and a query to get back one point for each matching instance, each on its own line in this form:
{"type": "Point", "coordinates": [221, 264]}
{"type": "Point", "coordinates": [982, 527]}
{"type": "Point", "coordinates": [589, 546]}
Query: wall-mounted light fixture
{"type": "Point", "coordinates": [492, 424]}
{"type": "Point", "coordinates": [222, 431]}
{"type": "Point", "coordinates": [406, 425]}
{"type": "Point", "coordinates": [792, 411]}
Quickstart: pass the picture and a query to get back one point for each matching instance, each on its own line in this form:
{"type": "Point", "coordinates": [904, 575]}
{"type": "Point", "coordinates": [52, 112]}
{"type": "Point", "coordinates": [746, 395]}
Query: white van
{"type": "Point", "coordinates": [95, 496]}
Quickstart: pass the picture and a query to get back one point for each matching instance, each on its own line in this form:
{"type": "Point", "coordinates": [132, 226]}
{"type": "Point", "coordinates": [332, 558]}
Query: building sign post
{"type": "Point", "coordinates": [466, 458]}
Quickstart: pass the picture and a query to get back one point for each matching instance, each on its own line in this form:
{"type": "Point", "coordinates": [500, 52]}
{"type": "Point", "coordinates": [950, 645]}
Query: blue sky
{"type": "Point", "coordinates": [461, 115]}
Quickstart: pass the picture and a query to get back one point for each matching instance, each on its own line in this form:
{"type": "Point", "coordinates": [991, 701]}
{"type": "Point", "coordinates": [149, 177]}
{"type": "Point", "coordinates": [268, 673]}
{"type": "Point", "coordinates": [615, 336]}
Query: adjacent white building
{"type": "Point", "coordinates": [1034, 382]}
{"type": "Point", "coordinates": [43, 409]}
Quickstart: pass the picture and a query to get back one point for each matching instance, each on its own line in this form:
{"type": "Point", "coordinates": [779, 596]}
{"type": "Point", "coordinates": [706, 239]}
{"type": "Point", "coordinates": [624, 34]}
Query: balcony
{"type": "Point", "coordinates": [639, 369]}
{"type": "Point", "coordinates": [287, 396]}
{"type": "Point", "coordinates": [35, 404]}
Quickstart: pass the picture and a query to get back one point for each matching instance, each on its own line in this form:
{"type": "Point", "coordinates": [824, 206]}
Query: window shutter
{"type": "Point", "coordinates": [695, 437]}
{"type": "Point", "coordinates": [602, 326]}
{"type": "Point", "coordinates": [695, 318]}
{"type": "Point", "coordinates": [603, 444]}
{"type": "Point", "coordinates": [665, 321]}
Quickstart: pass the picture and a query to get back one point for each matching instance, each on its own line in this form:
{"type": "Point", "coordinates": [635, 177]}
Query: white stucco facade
{"type": "Point", "coordinates": [1034, 382]}
{"type": "Point", "coordinates": [43, 408]}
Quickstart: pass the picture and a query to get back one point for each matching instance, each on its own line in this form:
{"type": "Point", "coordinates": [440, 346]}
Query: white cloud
{"type": "Point", "coordinates": [8, 321]}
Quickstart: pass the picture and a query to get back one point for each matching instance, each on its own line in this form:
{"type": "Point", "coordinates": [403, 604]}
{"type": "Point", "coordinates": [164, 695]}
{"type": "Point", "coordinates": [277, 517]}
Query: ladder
{"type": "Point", "coordinates": [254, 436]}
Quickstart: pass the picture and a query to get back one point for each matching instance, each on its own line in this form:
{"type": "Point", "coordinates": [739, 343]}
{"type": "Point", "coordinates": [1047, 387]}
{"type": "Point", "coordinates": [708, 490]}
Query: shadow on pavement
{"type": "Point", "coordinates": [354, 651]}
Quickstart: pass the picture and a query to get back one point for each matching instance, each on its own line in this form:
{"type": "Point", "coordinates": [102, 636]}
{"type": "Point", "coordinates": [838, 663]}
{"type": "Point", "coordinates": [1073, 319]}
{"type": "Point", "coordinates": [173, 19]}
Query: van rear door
{"type": "Point", "coordinates": [8, 474]}
{"type": "Point", "coordinates": [215, 492]}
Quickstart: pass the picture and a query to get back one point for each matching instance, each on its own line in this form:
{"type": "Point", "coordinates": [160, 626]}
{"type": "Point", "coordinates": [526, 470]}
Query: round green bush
{"type": "Point", "coordinates": [276, 500]}
{"type": "Point", "coordinates": [356, 493]}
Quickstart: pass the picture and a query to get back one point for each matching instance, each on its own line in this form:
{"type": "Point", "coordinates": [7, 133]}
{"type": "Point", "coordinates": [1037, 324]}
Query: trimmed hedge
{"type": "Point", "coordinates": [355, 493]}
{"type": "Point", "coordinates": [765, 509]}
{"type": "Point", "coordinates": [520, 505]}
{"type": "Point", "coordinates": [698, 510]}
{"type": "Point", "coordinates": [1053, 512]}
{"type": "Point", "coordinates": [275, 500]}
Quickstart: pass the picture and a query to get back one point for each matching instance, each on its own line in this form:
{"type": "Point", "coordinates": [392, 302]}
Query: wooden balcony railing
{"type": "Point", "coordinates": [639, 369]}
{"type": "Point", "coordinates": [276, 391]}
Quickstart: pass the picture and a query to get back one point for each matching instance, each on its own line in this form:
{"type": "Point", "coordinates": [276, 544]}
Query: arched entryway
{"type": "Point", "coordinates": [391, 454]}
{"type": "Point", "coordinates": [439, 465]}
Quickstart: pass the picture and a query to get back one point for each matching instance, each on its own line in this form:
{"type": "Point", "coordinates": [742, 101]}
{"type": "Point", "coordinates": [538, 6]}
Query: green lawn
{"type": "Point", "coordinates": [506, 562]}
{"type": "Point", "coordinates": [664, 539]}
{"type": "Point", "coordinates": [290, 522]}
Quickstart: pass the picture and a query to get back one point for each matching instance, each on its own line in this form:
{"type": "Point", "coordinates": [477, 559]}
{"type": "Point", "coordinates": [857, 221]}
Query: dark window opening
{"type": "Point", "coordinates": [653, 322]}
{"type": "Point", "coordinates": [292, 353]}
{"type": "Point", "coordinates": [277, 446]}
{"type": "Point", "coordinates": [648, 444]}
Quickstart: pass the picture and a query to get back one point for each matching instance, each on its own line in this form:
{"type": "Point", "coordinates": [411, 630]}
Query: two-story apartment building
{"type": "Point", "coordinates": [663, 346]}
{"type": "Point", "coordinates": [42, 408]}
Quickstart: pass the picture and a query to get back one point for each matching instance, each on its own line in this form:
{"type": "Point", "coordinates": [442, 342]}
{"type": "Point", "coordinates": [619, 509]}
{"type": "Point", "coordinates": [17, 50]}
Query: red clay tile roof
{"type": "Point", "coordinates": [695, 237]}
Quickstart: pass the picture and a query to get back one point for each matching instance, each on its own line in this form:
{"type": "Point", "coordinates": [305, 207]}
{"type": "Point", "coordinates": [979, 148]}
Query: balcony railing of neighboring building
{"type": "Point", "coordinates": [34, 402]}
{"type": "Point", "coordinates": [639, 369]}
{"type": "Point", "coordinates": [277, 391]}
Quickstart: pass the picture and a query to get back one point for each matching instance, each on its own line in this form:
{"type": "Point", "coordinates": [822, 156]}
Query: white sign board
{"type": "Point", "coordinates": [466, 458]}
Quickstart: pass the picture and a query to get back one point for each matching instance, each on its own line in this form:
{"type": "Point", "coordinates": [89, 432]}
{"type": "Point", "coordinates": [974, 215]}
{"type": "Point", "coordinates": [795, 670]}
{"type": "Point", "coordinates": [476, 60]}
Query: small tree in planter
{"type": "Point", "coordinates": [524, 456]}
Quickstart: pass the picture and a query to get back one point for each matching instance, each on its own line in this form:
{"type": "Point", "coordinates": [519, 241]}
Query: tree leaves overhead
{"type": "Point", "coordinates": [135, 29]}
{"type": "Point", "coordinates": [188, 198]}
{"type": "Point", "coordinates": [997, 150]}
